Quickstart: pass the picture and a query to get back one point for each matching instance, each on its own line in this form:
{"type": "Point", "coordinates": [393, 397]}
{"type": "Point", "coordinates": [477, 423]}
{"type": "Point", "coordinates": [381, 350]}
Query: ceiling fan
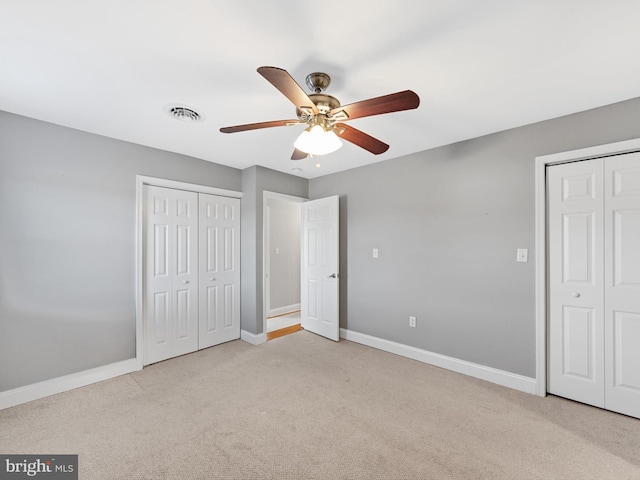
{"type": "Point", "coordinates": [324, 115]}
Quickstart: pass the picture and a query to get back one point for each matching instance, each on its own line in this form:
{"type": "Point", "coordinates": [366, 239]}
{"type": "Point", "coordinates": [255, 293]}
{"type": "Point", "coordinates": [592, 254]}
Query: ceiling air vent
{"type": "Point", "coordinates": [183, 114]}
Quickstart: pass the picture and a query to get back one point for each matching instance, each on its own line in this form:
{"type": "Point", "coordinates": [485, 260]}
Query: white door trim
{"type": "Point", "coordinates": [266, 258]}
{"type": "Point", "coordinates": [141, 181]}
{"type": "Point", "coordinates": [266, 195]}
{"type": "Point", "coordinates": [541, 163]}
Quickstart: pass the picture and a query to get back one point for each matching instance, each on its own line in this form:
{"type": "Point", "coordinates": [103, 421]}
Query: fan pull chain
{"type": "Point", "coordinates": [317, 157]}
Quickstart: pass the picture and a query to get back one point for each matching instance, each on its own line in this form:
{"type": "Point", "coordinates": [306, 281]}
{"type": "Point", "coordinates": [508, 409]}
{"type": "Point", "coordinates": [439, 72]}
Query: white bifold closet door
{"type": "Point", "coordinates": [594, 282]}
{"type": "Point", "coordinates": [191, 272]}
{"type": "Point", "coordinates": [219, 249]}
{"type": "Point", "coordinates": [171, 273]}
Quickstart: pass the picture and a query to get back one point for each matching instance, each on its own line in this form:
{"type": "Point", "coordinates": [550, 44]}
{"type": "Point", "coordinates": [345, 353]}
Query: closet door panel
{"type": "Point", "coordinates": [622, 283]}
{"type": "Point", "coordinates": [170, 316]}
{"type": "Point", "coordinates": [576, 298]}
{"type": "Point", "coordinates": [219, 304]}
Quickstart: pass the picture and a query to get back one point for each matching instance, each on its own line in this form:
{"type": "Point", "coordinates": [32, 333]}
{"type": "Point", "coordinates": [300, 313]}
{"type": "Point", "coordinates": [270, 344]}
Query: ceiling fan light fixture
{"type": "Point", "coordinates": [324, 114]}
{"type": "Point", "coordinates": [315, 140]}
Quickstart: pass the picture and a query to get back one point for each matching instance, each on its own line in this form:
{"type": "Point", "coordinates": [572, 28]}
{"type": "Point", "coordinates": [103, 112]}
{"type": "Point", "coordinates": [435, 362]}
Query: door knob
{"type": "Point", "coordinates": [212, 279]}
{"type": "Point", "coordinates": [185, 281]}
{"type": "Point", "coordinates": [333, 275]}
{"type": "Point", "coordinates": [575, 295]}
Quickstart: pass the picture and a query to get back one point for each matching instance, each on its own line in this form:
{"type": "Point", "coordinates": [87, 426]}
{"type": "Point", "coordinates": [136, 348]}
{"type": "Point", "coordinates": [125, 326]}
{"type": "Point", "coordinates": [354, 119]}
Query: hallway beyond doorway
{"type": "Point", "coordinates": [280, 325]}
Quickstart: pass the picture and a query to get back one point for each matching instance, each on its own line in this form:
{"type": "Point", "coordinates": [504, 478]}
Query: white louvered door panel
{"type": "Point", "coordinates": [219, 303]}
{"type": "Point", "coordinates": [171, 273]}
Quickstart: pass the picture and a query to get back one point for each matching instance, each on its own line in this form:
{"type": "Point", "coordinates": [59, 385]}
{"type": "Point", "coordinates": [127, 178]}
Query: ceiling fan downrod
{"type": "Point", "coordinates": [318, 82]}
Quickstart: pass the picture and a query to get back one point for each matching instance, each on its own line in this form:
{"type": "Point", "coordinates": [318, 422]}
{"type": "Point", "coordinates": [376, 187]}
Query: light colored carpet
{"type": "Point", "coordinates": [303, 407]}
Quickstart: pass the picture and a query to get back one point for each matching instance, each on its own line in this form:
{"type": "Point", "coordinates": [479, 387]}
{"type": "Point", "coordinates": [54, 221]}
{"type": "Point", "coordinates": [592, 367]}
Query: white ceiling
{"type": "Point", "coordinates": [111, 66]}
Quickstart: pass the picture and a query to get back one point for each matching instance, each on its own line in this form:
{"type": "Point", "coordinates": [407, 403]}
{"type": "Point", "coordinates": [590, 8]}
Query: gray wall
{"type": "Point", "coordinates": [285, 239]}
{"type": "Point", "coordinates": [447, 223]}
{"type": "Point", "coordinates": [67, 243]}
{"type": "Point", "coordinates": [255, 181]}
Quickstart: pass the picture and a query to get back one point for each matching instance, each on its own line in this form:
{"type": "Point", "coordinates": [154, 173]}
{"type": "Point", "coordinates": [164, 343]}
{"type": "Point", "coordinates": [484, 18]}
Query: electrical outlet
{"type": "Point", "coordinates": [412, 321]}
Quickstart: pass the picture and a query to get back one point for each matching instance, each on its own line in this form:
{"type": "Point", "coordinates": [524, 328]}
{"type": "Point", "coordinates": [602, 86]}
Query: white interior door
{"type": "Point", "coordinates": [576, 290]}
{"type": "Point", "coordinates": [622, 280]}
{"type": "Point", "coordinates": [171, 273]}
{"type": "Point", "coordinates": [219, 248]}
{"type": "Point", "coordinates": [320, 276]}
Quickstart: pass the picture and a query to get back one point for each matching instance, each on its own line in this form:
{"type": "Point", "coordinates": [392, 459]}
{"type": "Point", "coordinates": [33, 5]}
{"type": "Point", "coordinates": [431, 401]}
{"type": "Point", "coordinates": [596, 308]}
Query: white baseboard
{"type": "Point", "coordinates": [500, 377]}
{"type": "Point", "coordinates": [252, 338]}
{"type": "Point", "coordinates": [28, 393]}
{"type": "Point", "coordinates": [274, 312]}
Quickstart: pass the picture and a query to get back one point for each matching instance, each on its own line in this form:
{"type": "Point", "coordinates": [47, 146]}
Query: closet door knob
{"type": "Point", "coordinates": [185, 281]}
{"type": "Point", "coordinates": [212, 279]}
{"type": "Point", "coordinates": [575, 295]}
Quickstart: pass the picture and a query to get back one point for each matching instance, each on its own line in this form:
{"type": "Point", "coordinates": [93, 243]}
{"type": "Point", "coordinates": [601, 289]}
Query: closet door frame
{"type": "Point", "coordinates": [141, 181]}
{"type": "Point", "coordinates": [541, 313]}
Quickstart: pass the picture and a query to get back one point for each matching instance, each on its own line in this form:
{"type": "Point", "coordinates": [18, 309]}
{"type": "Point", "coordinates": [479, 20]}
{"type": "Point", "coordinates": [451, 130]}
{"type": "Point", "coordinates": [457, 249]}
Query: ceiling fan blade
{"type": "Point", "coordinates": [394, 102]}
{"type": "Point", "coordinates": [298, 155]}
{"type": "Point", "coordinates": [256, 126]}
{"type": "Point", "coordinates": [284, 82]}
{"type": "Point", "coordinates": [360, 139]}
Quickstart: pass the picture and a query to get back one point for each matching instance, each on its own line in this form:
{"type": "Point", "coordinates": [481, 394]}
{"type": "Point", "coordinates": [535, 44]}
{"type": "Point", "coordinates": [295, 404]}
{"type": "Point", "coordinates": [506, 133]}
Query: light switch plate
{"type": "Point", "coordinates": [375, 253]}
{"type": "Point", "coordinates": [522, 255]}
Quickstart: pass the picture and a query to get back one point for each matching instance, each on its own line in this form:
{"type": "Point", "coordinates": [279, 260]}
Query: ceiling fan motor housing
{"type": "Point", "coordinates": [325, 104]}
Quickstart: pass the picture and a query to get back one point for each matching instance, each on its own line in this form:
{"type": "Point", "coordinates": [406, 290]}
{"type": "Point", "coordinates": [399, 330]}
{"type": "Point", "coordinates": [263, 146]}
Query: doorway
{"type": "Point", "coordinates": [315, 268]}
{"type": "Point", "coordinates": [281, 256]}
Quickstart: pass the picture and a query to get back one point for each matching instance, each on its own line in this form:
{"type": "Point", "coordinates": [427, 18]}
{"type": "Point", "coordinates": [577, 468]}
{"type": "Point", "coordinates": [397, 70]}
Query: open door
{"type": "Point", "coordinates": [320, 282]}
